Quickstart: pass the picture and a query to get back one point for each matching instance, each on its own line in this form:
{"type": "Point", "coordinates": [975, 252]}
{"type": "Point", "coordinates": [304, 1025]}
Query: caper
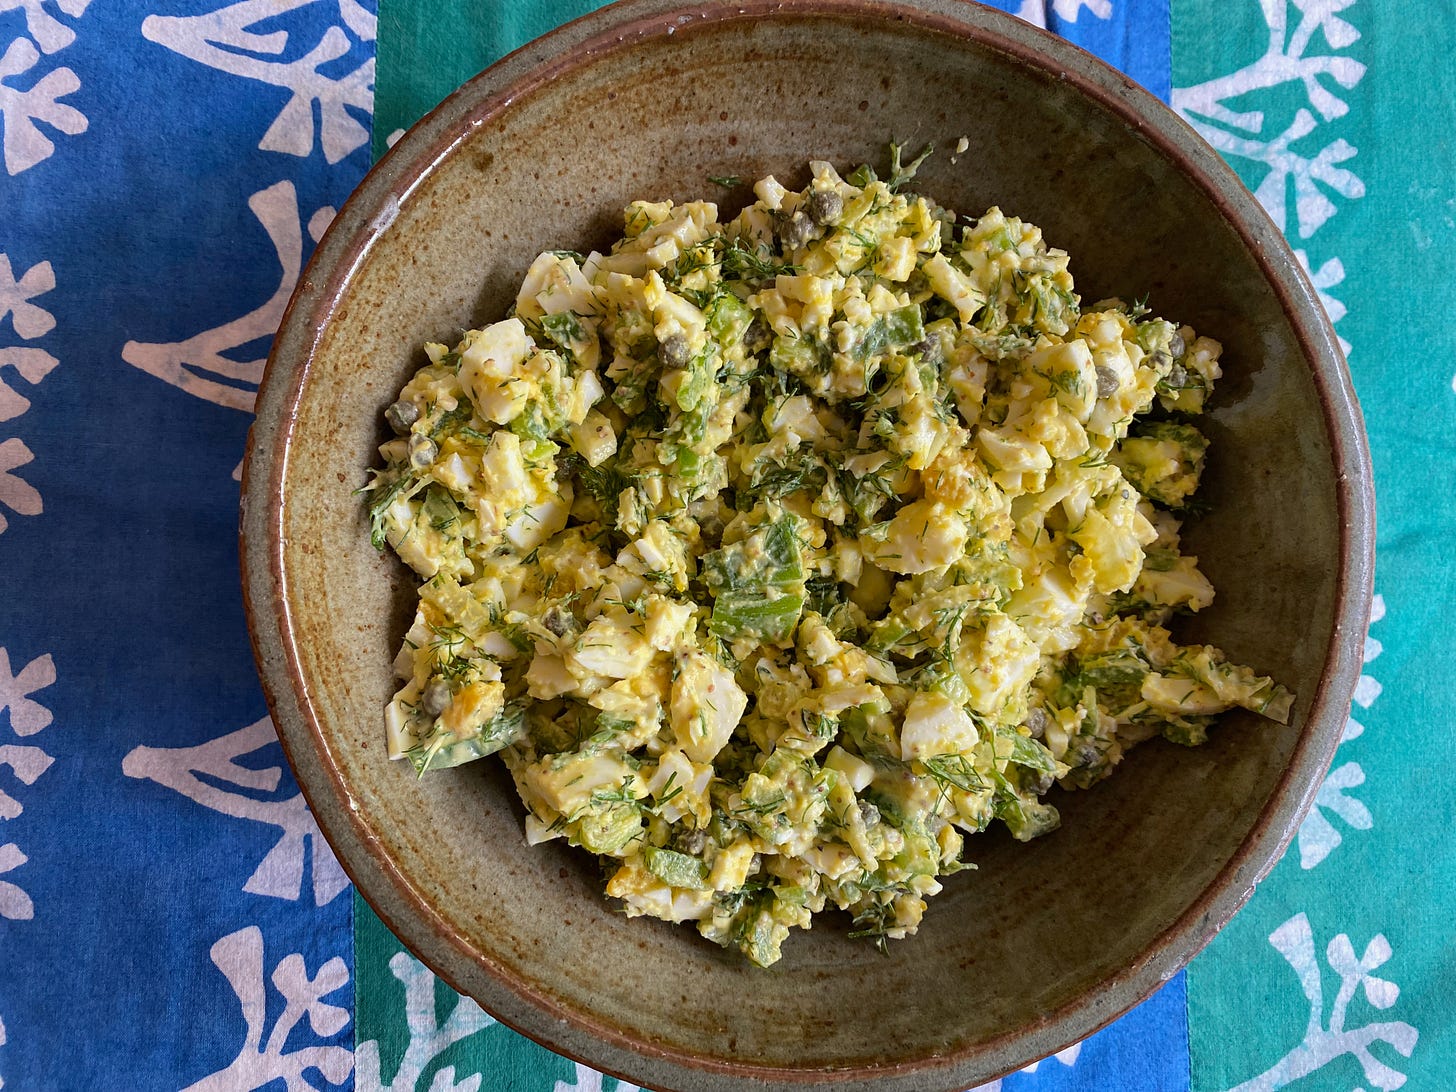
{"type": "Point", "coordinates": [825, 206]}
{"type": "Point", "coordinates": [758, 336]}
{"type": "Point", "coordinates": [674, 351]}
{"type": "Point", "coordinates": [436, 697]}
{"type": "Point", "coordinates": [401, 415]}
{"type": "Point", "coordinates": [928, 350]}
{"type": "Point", "coordinates": [557, 621]}
{"type": "Point", "coordinates": [422, 451]}
{"type": "Point", "coordinates": [1037, 721]}
{"type": "Point", "coordinates": [797, 230]}
{"type": "Point", "coordinates": [693, 842]}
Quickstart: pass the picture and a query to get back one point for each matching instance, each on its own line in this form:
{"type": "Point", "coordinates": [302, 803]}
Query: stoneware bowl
{"type": "Point", "coordinates": [1046, 942]}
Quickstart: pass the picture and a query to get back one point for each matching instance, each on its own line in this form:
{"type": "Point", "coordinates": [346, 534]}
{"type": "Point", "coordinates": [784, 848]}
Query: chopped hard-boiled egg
{"type": "Point", "coordinates": [773, 555]}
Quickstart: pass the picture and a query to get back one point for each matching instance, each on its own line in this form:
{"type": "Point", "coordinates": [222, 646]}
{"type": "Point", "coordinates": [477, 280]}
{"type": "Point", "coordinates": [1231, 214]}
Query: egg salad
{"type": "Point", "coordinates": [775, 555]}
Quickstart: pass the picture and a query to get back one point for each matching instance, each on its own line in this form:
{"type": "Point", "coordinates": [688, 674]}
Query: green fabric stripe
{"type": "Point", "coordinates": [427, 50]}
{"type": "Point", "coordinates": [409, 1027]}
{"type": "Point", "coordinates": [1386, 256]}
{"type": "Point", "coordinates": [375, 1019]}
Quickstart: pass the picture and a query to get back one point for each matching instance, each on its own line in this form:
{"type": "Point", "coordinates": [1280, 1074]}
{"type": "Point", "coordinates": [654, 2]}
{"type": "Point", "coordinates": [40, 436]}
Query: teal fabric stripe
{"type": "Point", "coordinates": [1339, 972]}
{"type": "Point", "coordinates": [427, 50]}
{"type": "Point", "coordinates": [411, 1028]}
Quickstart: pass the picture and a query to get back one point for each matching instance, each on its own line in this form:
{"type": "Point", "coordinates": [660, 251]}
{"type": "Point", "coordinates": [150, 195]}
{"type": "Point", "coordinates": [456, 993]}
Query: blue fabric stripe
{"type": "Point", "coordinates": [167, 218]}
{"type": "Point", "coordinates": [128, 577]}
{"type": "Point", "coordinates": [1134, 36]}
{"type": "Point", "coordinates": [1145, 1051]}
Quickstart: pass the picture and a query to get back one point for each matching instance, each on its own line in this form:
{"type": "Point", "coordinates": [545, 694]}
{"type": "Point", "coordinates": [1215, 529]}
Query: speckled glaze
{"type": "Point", "coordinates": [1045, 943]}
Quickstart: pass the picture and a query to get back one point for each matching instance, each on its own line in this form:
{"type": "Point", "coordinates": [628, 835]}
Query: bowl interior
{"type": "Point", "coordinates": [1046, 941]}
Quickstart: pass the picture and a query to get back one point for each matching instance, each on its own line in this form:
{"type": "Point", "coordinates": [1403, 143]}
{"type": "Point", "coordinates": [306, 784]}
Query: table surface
{"type": "Point", "coordinates": [170, 916]}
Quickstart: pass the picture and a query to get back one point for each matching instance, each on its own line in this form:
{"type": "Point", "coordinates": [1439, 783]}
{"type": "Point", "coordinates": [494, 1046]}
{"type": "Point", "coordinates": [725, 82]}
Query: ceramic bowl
{"type": "Point", "coordinates": [1047, 941]}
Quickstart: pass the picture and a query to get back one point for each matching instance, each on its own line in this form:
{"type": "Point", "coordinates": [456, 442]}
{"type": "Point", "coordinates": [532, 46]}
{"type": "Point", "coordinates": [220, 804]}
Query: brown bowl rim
{"type": "Point", "coordinates": [519, 1003]}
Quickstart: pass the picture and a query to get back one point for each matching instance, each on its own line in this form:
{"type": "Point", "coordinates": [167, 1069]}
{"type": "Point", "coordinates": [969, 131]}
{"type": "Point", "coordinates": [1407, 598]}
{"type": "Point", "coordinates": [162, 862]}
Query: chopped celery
{"type": "Point", "coordinates": [676, 869]}
{"type": "Point", "coordinates": [442, 750]}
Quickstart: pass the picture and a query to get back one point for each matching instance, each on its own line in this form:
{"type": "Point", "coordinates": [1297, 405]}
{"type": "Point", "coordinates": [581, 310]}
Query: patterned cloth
{"type": "Point", "coordinates": [170, 917]}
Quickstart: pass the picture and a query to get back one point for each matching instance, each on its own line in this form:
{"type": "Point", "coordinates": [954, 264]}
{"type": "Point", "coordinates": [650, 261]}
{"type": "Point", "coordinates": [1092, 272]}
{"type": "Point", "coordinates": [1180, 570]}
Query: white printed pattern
{"type": "Point", "coordinates": [1035, 11]}
{"type": "Point", "coordinates": [15, 904]}
{"type": "Point", "coordinates": [29, 321]}
{"type": "Point", "coordinates": [49, 33]}
{"type": "Point", "coordinates": [1327, 1040]}
{"type": "Point", "coordinates": [197, 364]}
{"type": "Point", "coordinates": [1207, 108]}
{"type": "Point", "coordinates": [26, 763]}
{"type": "Point", "coordinates": [32, 365]}
{"type": "Point", "coordinates": [1326, 277]}
{"type": "Point", "coordinates": [15, 492]}
{"type": "Point", "coordinates": [1067, 1057]}
{"type": "Point", "coordinates": [260, 1062]}
{"type": "Point", "coordinates": [1318, 837]}
{"type": "Point", "coordinates": [223, 40]}
{"type": "Point", "coordinates": [22, 112]}
{"type": "Point", "coordinates": [427, 1038]}
{"type": "Point", "coordinates": [198, 774]}
{"type": "Point", "coordinates": [1240, 133]}
{"type": "Point", "coordinates": [589, 1080]}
